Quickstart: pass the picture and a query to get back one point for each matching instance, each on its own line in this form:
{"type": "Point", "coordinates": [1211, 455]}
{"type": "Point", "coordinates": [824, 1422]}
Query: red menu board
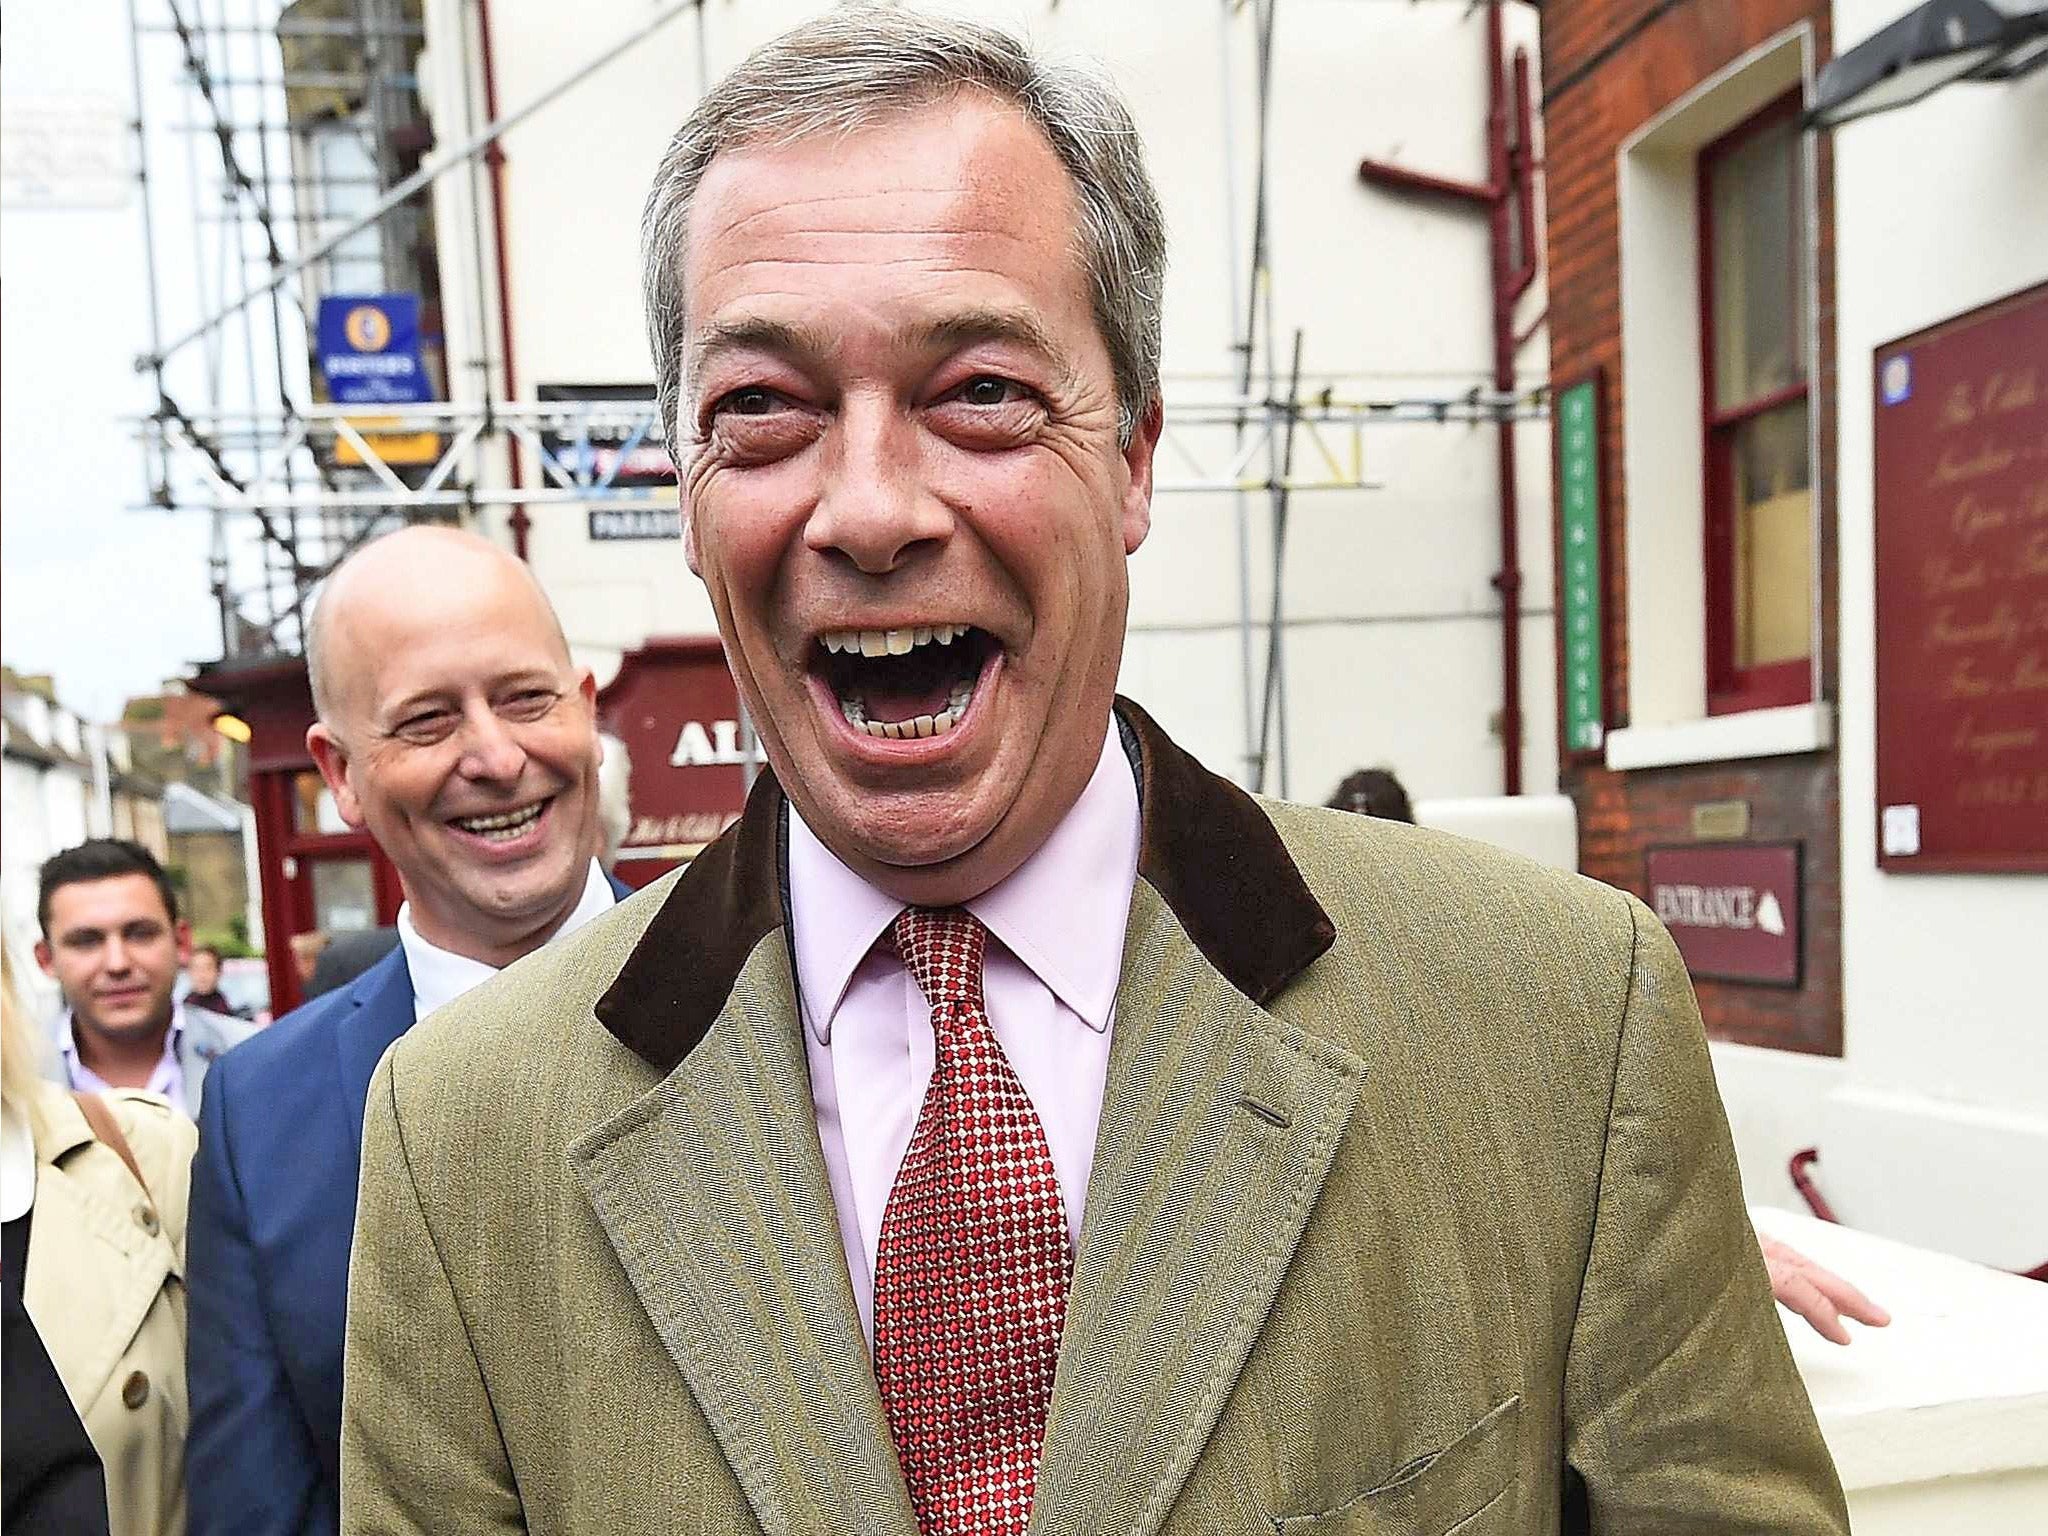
{"type": "Point", "coordinates": [1962, 591]}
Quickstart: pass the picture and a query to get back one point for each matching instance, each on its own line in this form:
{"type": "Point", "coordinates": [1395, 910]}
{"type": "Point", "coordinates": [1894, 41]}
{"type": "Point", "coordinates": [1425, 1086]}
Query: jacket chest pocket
{"type": "Point", "coordinates": [1462, 1490]}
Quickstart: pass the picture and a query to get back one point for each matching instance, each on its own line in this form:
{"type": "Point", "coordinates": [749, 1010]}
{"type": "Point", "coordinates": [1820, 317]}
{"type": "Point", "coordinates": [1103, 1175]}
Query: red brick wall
{"type": "Point", "coordinates": [1608, 67]}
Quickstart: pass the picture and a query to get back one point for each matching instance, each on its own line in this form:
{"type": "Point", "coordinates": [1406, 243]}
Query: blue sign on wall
{"type": "Point", "coordinates": [370, 349]}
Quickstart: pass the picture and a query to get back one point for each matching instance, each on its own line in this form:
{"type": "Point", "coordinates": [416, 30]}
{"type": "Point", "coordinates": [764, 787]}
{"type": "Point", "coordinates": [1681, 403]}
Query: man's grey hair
{"type": "Point", "coordinates": [864, 64]}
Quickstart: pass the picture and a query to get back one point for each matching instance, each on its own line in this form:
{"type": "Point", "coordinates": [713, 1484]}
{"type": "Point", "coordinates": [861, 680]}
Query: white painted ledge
{"type": "Point", "coordinates": [1724, 738]}
{"type": "Point", "coordinates": [1940, 1421]}
{"type": "Point", "coordinates": [1540, 827]}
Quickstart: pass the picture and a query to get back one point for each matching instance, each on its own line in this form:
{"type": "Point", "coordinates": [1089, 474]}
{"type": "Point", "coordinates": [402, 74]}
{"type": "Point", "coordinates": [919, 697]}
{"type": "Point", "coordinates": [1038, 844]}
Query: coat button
{"type": "Point", "coordinates": [145, 1218]}
{"type": "Point", "coordinates": [135, 1390]}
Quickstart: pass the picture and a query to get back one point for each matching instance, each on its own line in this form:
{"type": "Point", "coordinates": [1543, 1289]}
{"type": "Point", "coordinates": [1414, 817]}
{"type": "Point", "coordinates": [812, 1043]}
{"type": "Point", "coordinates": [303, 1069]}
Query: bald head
{"type": "Point", "coordinates": [406, 576]}
{"type": "Point", "coordinates": [455, 729]}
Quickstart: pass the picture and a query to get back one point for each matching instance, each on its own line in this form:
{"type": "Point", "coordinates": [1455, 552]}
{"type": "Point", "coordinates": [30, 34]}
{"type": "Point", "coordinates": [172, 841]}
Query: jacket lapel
{"type": "Point", "coordinates": [712, 1189]}
{"type": "Point", "coordinates": [93, 1271]}
{"type": "Point", "coordinates": [379, 1011]}
{"type": "Point", "coordinates": [1219, 1124]}
{"type": "Point", "coordinates": [1218, 1127]}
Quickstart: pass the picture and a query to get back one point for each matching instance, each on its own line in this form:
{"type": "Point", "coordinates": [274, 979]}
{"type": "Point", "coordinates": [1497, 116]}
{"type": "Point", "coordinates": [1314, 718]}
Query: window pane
{"type": "Point", "coordinates": [313, 807]}
{"type": "Point", "coordinates": [344, 895]}
{"type": "Point", "coordinates": [1773, 545]}
{"type": "Point", "coordinates": [1756, 205]}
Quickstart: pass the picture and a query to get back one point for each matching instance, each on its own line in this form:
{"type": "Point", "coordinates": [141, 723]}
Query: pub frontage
{"type": "Point", "coordinates": [1799, 325]}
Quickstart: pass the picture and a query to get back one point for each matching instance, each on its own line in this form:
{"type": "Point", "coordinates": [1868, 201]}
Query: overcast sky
{"type": "Point", "coordinates": [110, 600]}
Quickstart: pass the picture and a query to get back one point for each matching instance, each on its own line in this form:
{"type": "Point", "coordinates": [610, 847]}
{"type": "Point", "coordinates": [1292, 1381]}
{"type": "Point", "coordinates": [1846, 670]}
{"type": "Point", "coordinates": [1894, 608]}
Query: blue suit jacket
{"type": "Point", "coordinates": [273, 1212]}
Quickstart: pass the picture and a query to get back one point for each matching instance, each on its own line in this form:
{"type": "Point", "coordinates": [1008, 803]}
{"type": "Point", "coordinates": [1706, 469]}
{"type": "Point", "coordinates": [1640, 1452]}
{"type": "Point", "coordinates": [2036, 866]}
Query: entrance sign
{"type": "Point", "coordinates": [1961, 503]}
{"type": "Point", "coordinates": [1582, 687]}
{"type": "Point", "coordinates": [1733, 908]}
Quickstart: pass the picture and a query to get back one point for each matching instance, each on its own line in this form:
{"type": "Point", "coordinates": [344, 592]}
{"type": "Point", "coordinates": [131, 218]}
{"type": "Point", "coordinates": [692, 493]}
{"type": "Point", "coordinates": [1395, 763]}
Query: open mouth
{"type": "Point", "coordinates": [898, 684]}
{"type": "Point", "coordinates": [502, 826]}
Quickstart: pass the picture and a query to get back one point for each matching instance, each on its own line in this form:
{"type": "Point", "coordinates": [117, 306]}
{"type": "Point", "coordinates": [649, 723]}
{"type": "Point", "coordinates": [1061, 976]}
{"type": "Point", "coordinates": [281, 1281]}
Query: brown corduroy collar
{"type": "Point", "coordinates": [1205, 846]}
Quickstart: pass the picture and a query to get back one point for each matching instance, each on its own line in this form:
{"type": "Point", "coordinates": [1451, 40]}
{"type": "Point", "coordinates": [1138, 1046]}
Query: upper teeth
{"type": "Point", "coordinates": [502, 820]}
{"type": "Point", "coordinates": [891, 642]}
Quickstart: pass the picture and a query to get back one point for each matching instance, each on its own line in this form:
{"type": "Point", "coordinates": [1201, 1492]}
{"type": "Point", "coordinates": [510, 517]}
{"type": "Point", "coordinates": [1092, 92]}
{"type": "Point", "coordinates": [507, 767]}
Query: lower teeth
{"type": "Point", "coordinates": [904, 730]}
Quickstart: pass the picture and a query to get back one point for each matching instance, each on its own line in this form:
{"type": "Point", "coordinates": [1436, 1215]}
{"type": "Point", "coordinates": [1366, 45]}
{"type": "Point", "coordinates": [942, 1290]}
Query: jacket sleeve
{"type": "Point", "coordinates": [1684, 1412]}
{"type": "Point", "coordinates": [251, 1467]}
{"type": "Point", "coordinates": [420, 1447]}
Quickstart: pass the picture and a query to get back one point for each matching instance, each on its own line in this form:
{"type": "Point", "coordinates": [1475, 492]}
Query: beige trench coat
{"type": "Point", "coordinates": [105, 1284]}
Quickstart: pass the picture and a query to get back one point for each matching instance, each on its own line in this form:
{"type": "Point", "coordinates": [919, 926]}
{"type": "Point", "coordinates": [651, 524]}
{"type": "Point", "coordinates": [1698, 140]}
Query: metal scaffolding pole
{"type": "Point", "coordinates": [424, 176]}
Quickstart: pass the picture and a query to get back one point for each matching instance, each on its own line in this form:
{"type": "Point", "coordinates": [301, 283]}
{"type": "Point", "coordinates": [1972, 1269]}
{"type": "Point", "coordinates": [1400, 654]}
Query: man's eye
{"type": "Point", "coordinates": [750, 401]}
{"type": "Point", "coordinates": [988, 390]}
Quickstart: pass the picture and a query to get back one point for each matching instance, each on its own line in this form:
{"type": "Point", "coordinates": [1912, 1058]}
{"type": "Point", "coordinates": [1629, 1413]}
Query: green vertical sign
{"type": "Point", "coordinates": [1575, 423]}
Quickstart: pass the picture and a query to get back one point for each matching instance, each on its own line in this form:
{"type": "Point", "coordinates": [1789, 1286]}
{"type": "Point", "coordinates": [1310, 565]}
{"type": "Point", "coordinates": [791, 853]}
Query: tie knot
{"type": "Point", "coordinates": [942, 948]}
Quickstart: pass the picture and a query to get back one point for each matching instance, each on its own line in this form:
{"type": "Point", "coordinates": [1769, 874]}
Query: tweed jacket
{"type": "Point", "coordinates": [1413, 1210]}
{"type": "Point", "coordinates": [105, 1283]}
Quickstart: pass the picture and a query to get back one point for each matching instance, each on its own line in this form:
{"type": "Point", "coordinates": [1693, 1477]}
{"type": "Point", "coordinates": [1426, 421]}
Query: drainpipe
{"type": "Point", "coordinates": [1511, 228]}
{"type": "Point", "coordinates": [494, 157]}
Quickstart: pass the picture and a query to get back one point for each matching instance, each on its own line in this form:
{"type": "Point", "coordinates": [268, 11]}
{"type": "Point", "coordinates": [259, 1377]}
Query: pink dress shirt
{"type": "Point", "coordinates": [1051, 979]}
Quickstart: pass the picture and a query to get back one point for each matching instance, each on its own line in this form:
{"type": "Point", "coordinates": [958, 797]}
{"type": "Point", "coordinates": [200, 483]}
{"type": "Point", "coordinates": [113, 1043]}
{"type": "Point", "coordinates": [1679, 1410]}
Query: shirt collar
{"type": "Point", "coordinates": [67, 1042]}
{"type": "Point", "coordinates": [440, 976]}
{"type": "Point", "coordinates": [1062, 912]}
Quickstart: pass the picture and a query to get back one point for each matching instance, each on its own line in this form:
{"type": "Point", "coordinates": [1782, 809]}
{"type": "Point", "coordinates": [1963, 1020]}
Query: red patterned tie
{"type": "Point", "coordinates": [971, 1274]}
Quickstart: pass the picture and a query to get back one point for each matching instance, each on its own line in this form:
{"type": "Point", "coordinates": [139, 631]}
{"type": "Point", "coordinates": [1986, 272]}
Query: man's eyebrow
{"type": "Point", "coordinates": [754, 334]}
{"type": "Point", "coordinates": [950, 333]}
{"type": "Point", "coordinates": [1018, 327]}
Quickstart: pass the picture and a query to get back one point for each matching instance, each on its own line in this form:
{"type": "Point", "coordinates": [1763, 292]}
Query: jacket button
{"type": "Point", "coordinates": [145, 1218]}
{"type": "Point", "coordinates": [135, 1390]}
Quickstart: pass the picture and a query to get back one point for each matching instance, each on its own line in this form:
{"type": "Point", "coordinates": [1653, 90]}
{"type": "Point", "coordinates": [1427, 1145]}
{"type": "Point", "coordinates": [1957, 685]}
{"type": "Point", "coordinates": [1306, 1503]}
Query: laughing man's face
{"type": "Point", "coordinates": [904, 488]}
{"type": "Point", "coordinates": [465, 741]}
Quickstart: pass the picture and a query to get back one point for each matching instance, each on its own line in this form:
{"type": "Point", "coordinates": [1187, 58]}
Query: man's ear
{"type": "Point", "coordinates": [1138, 458]}
{"type": "Point", "coordinates": [330, 756]}
{"type": "Point", "coordinates": [46, 957]}
{"type": "Point", "coordinates": [183, 932]}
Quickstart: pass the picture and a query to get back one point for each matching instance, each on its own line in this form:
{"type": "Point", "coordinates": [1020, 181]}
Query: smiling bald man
{"type": "Point", "coordinates": [455, 729]}
{"type": "Point", "coordinates": [1009, 1123]}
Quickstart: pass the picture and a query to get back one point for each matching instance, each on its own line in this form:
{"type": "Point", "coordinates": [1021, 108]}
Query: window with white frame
{"type": "Point", "coordinates": [1754, 287]}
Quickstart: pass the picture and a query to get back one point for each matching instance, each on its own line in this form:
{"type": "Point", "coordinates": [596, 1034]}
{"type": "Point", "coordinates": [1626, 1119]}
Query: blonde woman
{"type": "Point", "coordinates": [100, 1258]}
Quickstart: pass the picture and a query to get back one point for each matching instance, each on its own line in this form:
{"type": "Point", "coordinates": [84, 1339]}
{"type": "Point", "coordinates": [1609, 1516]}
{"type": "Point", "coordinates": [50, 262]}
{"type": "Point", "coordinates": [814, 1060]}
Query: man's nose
{"type": "Point", "coordinates": [872, 506]}
{"type": "Point", "coordinates": [114, 956]}
{"type": "Point", "coordinates": [490, 749]}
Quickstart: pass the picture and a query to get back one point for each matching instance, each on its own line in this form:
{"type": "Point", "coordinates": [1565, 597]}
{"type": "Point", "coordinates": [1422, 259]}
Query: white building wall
{"type": "Point", "coordinates": [1934, 1126]}
{"type": "Point", "coordinates": [1393, 638]}
{"type": "Point", "coordinates": [42, 810]}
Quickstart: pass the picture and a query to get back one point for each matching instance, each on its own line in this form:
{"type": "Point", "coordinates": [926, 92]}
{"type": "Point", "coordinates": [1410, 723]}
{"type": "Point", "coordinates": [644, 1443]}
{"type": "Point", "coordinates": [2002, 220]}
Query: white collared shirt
{"type": "Point", "coordinates": [1050, 980]}
{"type": "Point", "coordinates": [440, 976]}
{"type": "Point", "coordinates": [166, 1078]}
